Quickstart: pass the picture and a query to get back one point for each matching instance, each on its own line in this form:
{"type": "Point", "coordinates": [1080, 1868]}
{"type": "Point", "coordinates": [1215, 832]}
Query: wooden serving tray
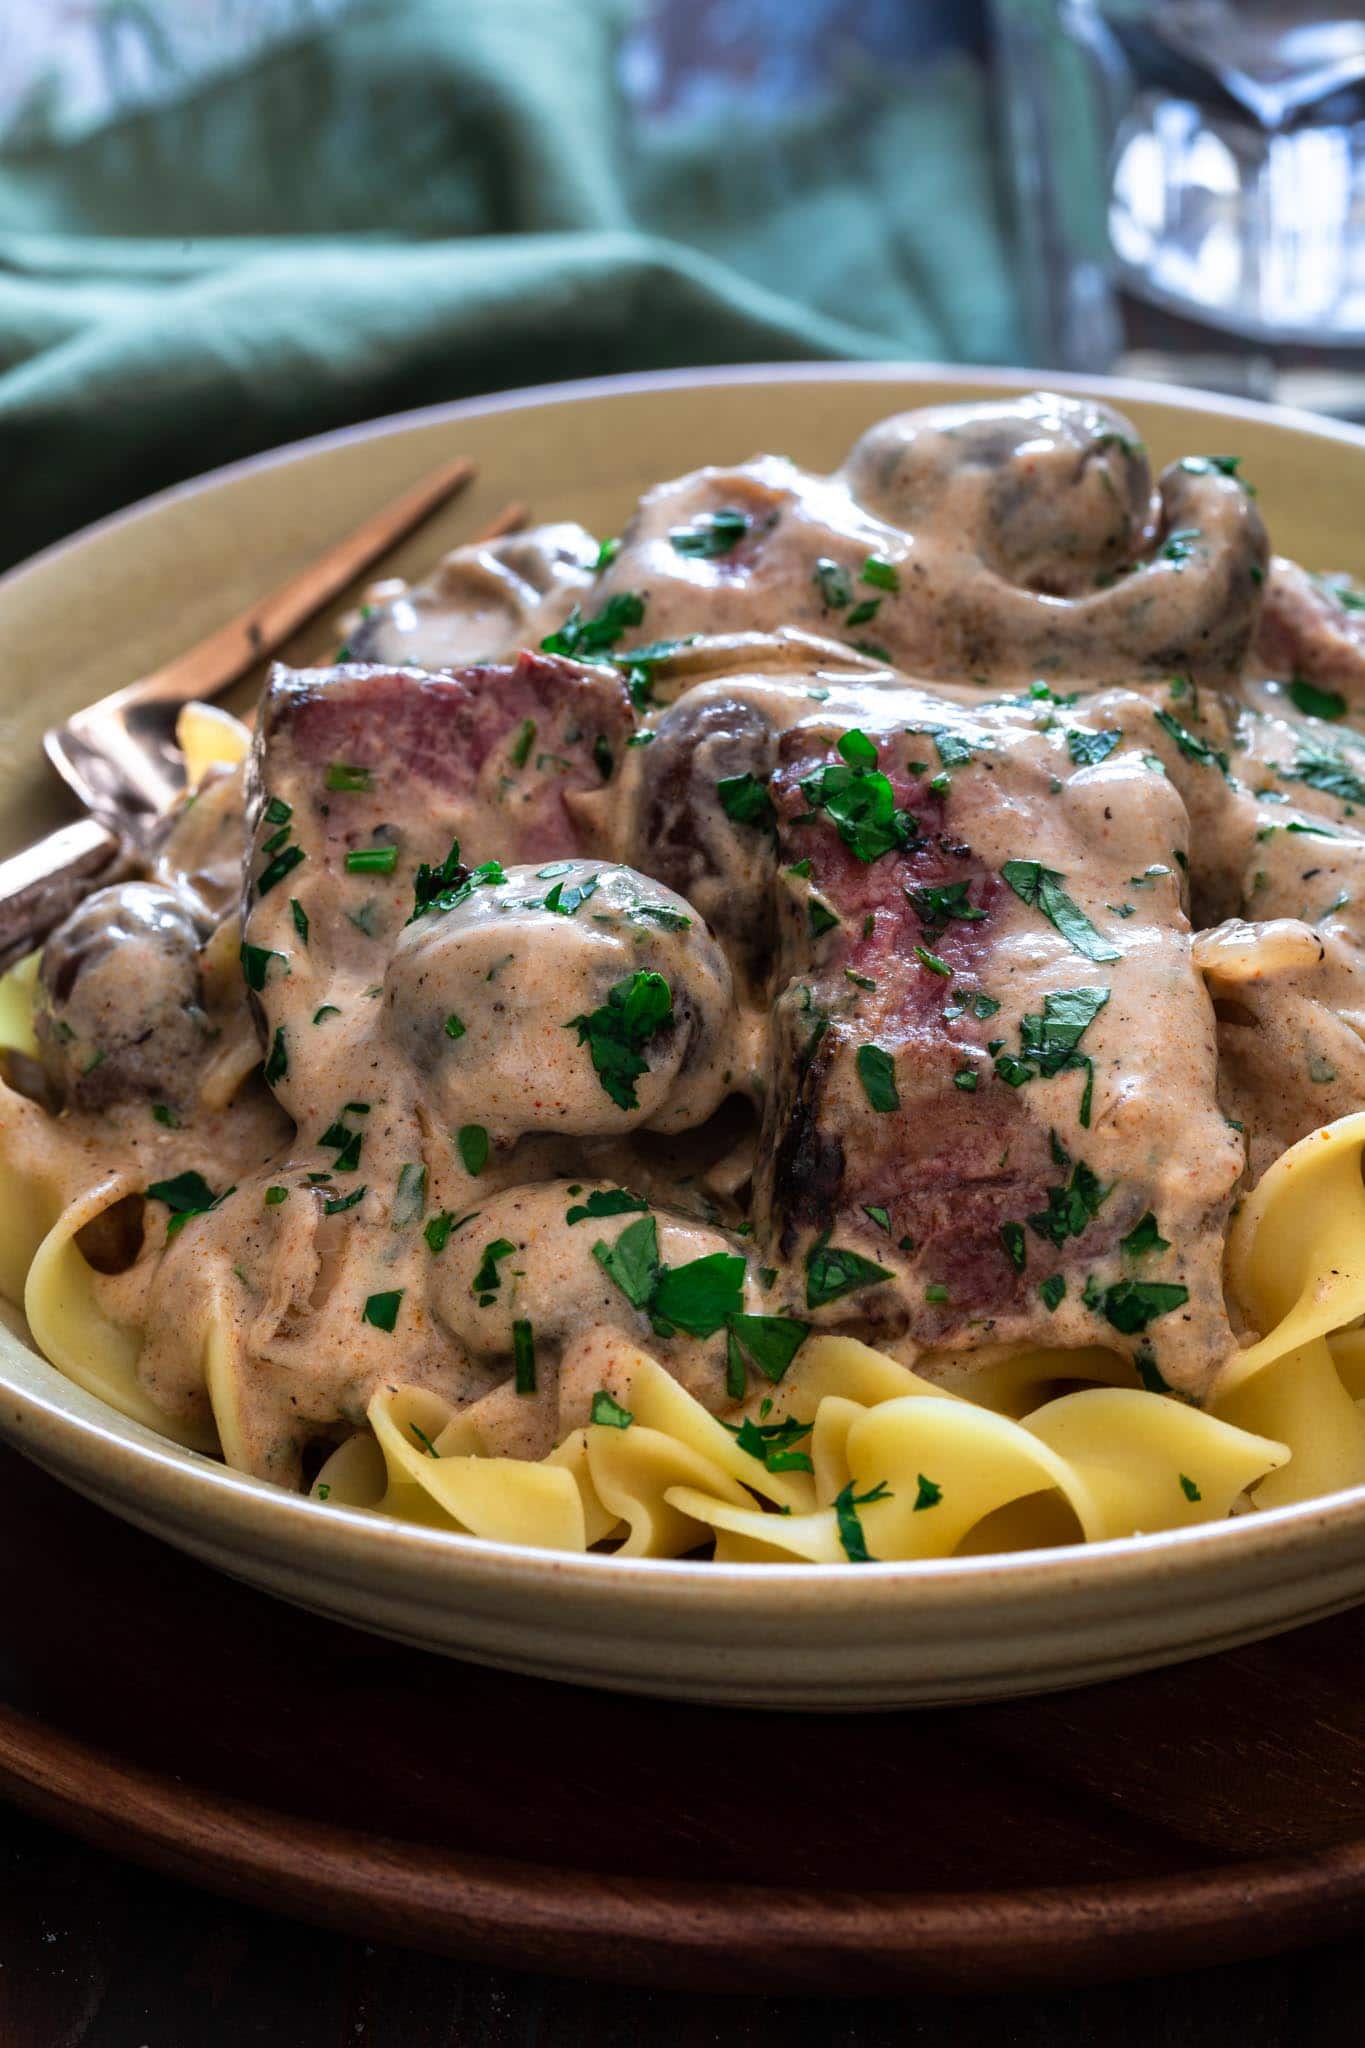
{"type": "Point", "coordinates": [1195, 1815]}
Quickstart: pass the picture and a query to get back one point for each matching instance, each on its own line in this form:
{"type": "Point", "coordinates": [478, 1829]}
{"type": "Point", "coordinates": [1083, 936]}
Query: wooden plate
{"type": "Point", "coordinates": [1188, 1816]}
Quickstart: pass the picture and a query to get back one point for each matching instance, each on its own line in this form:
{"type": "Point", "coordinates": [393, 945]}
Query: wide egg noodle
{"type": "Point", "coordinates": [1296, 1268]}
{"type": "Point", "coordinates": [73, 1330]}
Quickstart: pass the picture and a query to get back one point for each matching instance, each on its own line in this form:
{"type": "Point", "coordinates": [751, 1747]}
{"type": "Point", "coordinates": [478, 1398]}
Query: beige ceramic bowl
{"type": "Point", "coordinates": [127, 594]}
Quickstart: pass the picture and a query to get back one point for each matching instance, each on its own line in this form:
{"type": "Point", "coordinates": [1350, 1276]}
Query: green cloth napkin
{"type": "Point", "coordinates": [421, 200]}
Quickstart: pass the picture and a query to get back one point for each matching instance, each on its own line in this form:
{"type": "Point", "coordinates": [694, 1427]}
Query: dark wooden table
{"type": "Point", "coordinates": [97, 1954]}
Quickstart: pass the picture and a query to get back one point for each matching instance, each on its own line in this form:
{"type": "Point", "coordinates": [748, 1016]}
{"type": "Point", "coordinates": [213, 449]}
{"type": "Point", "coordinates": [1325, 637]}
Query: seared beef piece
{"type": "Point", "coordinates": [1307, 630]}
{"type": "Point", "coordinates": [948, 1165]}
{"type": "Point", "coordinates": [119, 1014]}
{"type": "Point", "coordinates": [359, 775]}
{"type": "Point", "coordinates": [925, 1116]}
{"type": "Point", "coordinates": [674, 825]}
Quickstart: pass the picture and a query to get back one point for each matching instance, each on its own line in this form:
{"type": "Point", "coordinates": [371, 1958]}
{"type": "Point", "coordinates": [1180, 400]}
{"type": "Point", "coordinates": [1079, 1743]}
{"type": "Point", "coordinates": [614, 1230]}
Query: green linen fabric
{"type": "Point", "coordinates": [424, 199]}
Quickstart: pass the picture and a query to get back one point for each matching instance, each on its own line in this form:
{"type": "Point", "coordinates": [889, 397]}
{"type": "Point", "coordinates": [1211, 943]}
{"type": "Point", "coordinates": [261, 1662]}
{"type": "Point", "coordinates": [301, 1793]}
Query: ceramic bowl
{"type": "Point", "coordinates": [130, 592]}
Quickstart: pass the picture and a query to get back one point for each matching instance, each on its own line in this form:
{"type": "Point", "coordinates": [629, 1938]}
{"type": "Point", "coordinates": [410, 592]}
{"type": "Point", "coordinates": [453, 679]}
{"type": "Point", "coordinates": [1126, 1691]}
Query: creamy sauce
{"type": "Point", "coordinates": [913, 901]}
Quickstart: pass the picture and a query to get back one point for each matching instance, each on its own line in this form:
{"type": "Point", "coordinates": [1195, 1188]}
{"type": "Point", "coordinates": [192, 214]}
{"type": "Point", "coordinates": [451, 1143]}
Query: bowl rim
{"type": "Point", "coordinates": [142, 1465]}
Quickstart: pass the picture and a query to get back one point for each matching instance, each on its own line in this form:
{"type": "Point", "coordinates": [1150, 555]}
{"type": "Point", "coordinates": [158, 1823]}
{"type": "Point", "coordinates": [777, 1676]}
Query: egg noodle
{"type": "Point", "coordinates": [851, 1456]}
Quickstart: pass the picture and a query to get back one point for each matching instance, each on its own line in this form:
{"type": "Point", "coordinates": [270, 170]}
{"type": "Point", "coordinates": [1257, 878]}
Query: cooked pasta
{"type": "Point", "coordinates": [825, 1031]}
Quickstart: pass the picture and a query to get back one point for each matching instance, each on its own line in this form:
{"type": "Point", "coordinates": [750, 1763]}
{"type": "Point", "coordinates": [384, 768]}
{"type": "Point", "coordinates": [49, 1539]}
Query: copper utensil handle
{"type": "Point", "coordinates": [227, 653]}
{"type": "Point", "coordinates": [44, 883]}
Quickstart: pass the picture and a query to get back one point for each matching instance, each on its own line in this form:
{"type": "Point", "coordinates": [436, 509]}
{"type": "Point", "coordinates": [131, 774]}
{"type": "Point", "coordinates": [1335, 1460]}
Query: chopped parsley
{"type": "Point", "coordinates": [488, 1279]}
{"type": "Point", "coordinates": [1190, 744]}
{"type": "Point", "coordinates": [256, 964]}
{"type": "Point", "coordinates": [880, 1216]}
{"type": "Point", "coordinates": [487, 875]}
{"type": "Point", "coordinates": [283, 864]}
{"type": "Point", "coordinates": [850, 1527]}
{"type": "Point", "coordinates": [454, 1027]}
{"type": "Point", "coordinates": [606, 1202]}
{"type": "Point", "coordinates": [523, 1356]}
{"type": "Point", "coordinates": [164, 1114]}
{"type": "Point", "coordinates": [935, 906]}
{"type": "Point", "coordinates": [820, 918]}
{"type": "Point", "coordinates": [567, 897]}
{"type": "Point", "coordinates": [1048, 1043]}
{"type": "Point", "coordinates": [927, 1494]}
{"type": "Point", "coordinates": [471, 1142]}
{"type": "Point", "coordinates": [300, 917]}
{"type": "Point", "coordinates": [1071, 1209]}
{"type": "Point", "coordinates": [325, 1010]}
{"type": "Point", "coordinates": [832, 1271]}
{"type": "Point", "coordinates": [636, 1010]}
{"type": "Point", "coordinates": [712, 534]}
{"type": "Point", "coordinates": [347, 1143]}
{"type": "Point", "coordinates": [1130, 1305]}
{"type": "Point", "coordinates": [1041, 888]}
{"type": "Point", "coordinates": [877, 1072]}
{"type": "Point", "coordinates": [590, 639]}
{"type": "Point", "coordinates": [1088, 749]}
{"type": "Point", "coordinates": [745, 800]}
{"type": "Point", "coordinates": [278, 812]}
{"type": "Point", "coordinates": [277, 1064]}
{"type": "Point", "coordinates": [1188, 1488]}
{"type": "Point", "coordinates": [772, 1443]}
{"type": "Point", "coordinates": [860, 802]}
{"type": "Point", "coordinates": [188, 1194]}
{"type": "Point", "coordinates": [344, 775]}
{"type": "Point", "coordinates": [767, 1343]}
{"type": "Point", "coordinates": [337, 1205]}
{"type": "Point", "coordinates": [881, 574]}
{"type": "Point", "coordinates": [608, 1413]}
{"type": "Point", "coordinates": [1324, 767]}
{"type": "Point", "coordinates": [632, 1262]}
{"type": "Point", "coordinates": [1144, 1237]}
{"type": "Point", "coordinates": [698, 1297]}
{"type": "Point", "coordinates": [834, 583]}
{"type": "Point", "coordinates": [1052, 1292]}
{"type": "Point", "coordinates": [438, 1229]}
{"type": "Point", "coordinates": [1316, 703]}
{"type": "Point", "coordinates": [933, 963]}
{"type": "Point", "coordinates": [274, 1196]}
{"type": "Point", "coordinates": [382, 1311]}
{"type": "Point", "coordinates": [1016, 1244]}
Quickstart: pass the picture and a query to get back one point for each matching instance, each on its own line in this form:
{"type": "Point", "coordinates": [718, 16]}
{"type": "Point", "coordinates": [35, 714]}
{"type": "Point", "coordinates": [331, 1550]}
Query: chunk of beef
{"type": "Point", "coordinates": [361, 775]}
{"type": "Point", "coordinates": [993, 1058]}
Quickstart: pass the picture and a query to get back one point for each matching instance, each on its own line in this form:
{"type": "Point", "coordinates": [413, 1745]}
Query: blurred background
{"type": "Point", "coordinates": [226, 223]}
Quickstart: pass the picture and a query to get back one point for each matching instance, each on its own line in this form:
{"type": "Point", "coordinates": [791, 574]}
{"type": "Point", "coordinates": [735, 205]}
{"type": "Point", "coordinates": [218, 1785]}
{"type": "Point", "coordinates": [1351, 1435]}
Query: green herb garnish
{"type": "Point", "coordinates": [382, 1311]}
{"type": "Point", "coordinates": [832, 1271]}
{"type": "Point", "coordinates": [636, 1010]}
{"type": "Point", "coordinates": [1041, 888]}
{"type": "Point", "coordinates": [877, 1072]}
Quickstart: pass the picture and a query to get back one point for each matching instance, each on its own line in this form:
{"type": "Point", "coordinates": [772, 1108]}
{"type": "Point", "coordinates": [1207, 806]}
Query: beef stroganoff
{"type": "Point", "coordinates": [828, 1028]}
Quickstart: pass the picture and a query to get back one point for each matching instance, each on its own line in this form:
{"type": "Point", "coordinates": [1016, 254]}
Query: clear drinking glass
{"type": "Point", "coordinates": [1189, 183]}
